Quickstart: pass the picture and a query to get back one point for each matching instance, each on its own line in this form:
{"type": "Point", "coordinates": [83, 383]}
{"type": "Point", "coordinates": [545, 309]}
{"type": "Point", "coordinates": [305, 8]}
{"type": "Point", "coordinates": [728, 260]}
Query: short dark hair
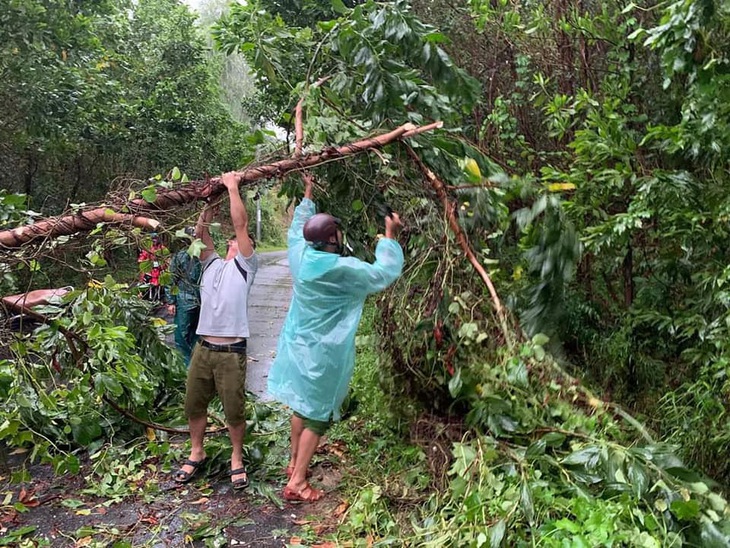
{"type": "Point", "coordinates": [250, 237]}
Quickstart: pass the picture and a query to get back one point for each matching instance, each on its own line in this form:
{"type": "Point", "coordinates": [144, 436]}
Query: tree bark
{"type": "Point", "coordinates": [71, 224]}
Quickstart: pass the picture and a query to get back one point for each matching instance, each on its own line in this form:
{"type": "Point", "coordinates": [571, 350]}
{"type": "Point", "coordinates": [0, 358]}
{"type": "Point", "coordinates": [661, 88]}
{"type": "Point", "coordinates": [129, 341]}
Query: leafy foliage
{"type": "Point", "coordinates": [609, 237]}
{"type": "Point", "coordinates": [593, 201]}
{"type": "Point", "coordinates": [94, 91]}
{"type": "Point", "coordinates": [57, 383]}
{"type": "Point", "coordinates": [631, 105]}
{"type": "Point", "coordinates": [382, 61]}
{"type": "Point", "coordinates": [535, 468]}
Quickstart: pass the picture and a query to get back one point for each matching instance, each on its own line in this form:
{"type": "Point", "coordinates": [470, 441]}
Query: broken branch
{"type": "Point", "coordinates": [449, 208]}
{"type": "Point", "coordinates": [196, 190]}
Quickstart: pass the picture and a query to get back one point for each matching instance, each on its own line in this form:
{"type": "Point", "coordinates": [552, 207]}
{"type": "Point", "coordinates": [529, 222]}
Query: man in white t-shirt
{"type": "Point", "coordinates": [218, 363]}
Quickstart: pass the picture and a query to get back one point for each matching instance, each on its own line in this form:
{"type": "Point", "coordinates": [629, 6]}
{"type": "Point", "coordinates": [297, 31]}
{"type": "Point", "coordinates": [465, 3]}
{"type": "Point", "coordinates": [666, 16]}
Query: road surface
{"type": "Point", "coordinates": [269, 302]}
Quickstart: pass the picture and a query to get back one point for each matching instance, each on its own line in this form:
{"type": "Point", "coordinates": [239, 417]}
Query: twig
{"type": "Point", "coordinates": [299, 119]}
{"type": "Point", "coordinates": [154, 425]}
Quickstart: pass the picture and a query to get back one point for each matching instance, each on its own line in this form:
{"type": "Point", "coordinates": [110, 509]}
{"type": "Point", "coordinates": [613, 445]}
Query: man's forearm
{"type": "Point", "coordinates": [202, 224]}
{"type": "Point", "coordinates": [239, 215]}
{"type": "Point", "coordinates": [201, 227]}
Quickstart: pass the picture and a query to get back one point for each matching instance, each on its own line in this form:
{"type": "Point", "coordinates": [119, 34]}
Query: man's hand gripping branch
{"type": "Point", "coordinates": [308, 184]}
{"type": "Point", "coordinates": [393, 225]}
{"type": "Point", "coordinates": [239, 215]}
{"type": "Point", "coordinates": [202, 229]}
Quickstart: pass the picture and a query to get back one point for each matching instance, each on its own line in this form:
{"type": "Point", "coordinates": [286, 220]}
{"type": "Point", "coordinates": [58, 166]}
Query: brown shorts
{"type": "Point", "coordinates": [221, 372]}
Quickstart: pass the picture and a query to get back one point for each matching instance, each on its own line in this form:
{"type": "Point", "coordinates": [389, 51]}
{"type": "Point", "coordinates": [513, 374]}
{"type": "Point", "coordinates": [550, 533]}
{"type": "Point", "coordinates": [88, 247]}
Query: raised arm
{"type": "Point", "coordinates": [201, 231]}
{"type": "Point", "coordinates": [302, 213]}
{"type": "Point", "coordinates": [308, 184]}
{"type": "Point", "coordinates": [239, 215]}
{"type": "Point", "coordinates": [393, 225]}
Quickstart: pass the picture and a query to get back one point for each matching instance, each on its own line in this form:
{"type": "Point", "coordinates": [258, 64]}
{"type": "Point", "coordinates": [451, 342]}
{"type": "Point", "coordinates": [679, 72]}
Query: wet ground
{"type": "Point", "coordinates": [52, 510]}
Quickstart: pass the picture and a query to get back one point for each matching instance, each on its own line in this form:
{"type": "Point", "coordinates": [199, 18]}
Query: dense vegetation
{"type": "Point", "coordinates": [94, 91]}
{"type": "Point", "coordinates": [585, 154]}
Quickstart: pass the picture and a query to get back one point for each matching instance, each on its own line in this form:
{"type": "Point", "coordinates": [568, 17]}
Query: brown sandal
{"type": "Point", "coordinates": [305, 494]}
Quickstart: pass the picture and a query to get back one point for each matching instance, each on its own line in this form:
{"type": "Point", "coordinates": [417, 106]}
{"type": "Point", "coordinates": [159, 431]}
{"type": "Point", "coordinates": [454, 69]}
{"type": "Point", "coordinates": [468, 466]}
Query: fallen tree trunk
{"type": "Point", "coordinates": [194, 191]}
{"type": "Point", "coordinates": [71, 224]}
{"type": "Point", "coordinates": [212, 188]}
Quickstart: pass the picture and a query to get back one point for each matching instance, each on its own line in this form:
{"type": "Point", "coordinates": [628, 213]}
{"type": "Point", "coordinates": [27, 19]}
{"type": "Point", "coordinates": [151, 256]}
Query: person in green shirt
{"type": "Point", "coordinates": [185, 303]}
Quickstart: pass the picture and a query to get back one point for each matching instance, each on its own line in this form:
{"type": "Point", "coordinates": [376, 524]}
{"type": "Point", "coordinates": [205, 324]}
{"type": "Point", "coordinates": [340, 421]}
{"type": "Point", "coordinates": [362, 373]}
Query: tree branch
{"type": "Point", "coordinates": [71, 224]}
{"type": "Point", "coordinates": [449, 208]}
{"type": "Point", "coordinates": [196, 190]}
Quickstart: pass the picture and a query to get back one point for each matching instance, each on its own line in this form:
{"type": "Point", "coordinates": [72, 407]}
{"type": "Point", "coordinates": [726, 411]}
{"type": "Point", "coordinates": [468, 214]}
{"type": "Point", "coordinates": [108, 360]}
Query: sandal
{"type": "Point", "coordinates": [181, 476]}
{"type": "Point", "coordinates": [305, 494]}
{"type": "Point", "coordinates": [240, 483]}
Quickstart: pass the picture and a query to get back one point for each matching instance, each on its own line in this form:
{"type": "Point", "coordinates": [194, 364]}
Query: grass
{"type": "Point", "coordinates": [265, 248]}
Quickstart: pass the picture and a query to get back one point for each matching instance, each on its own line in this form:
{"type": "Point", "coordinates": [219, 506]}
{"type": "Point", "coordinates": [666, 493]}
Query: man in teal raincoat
{"type": "Point", "coordinates": [316, 352]}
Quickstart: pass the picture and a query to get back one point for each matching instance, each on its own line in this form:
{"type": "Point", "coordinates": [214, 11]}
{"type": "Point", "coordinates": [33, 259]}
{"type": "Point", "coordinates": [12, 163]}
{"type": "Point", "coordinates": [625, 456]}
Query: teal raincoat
{"type": "Point", "coordinates": [315, 357]}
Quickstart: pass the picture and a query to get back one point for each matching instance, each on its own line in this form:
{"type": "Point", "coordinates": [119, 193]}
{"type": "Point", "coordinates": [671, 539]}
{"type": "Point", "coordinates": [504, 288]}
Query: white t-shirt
{"type": "Point", "coordinates": [224, 290]}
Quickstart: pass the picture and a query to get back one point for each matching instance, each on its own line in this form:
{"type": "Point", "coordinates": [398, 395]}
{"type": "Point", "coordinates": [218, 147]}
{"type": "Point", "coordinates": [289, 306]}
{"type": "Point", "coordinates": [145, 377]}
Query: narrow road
{"type": "Point", "coordinates": [270, 296]}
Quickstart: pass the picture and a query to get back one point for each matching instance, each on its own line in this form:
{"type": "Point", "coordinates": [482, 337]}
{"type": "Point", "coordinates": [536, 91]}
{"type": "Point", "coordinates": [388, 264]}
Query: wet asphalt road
{"type": "Point", "coordinates": [269, 302]}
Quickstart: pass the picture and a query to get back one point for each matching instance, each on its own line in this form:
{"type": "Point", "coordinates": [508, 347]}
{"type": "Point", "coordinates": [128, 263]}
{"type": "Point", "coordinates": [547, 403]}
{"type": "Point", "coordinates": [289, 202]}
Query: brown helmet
{"type": "Point", "coordinates": [320, 228]}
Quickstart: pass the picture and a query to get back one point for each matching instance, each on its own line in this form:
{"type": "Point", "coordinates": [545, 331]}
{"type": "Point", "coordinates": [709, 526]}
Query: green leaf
{"type": "Point", "coordinates": [685, 510]}
{"type": "Point", "coordinates": [717, 502]}
{"type": "Point", "coordinates": [149, 194]}
{"type": "Point", "coordinates": [196, 248]}
{"type": "Point", "coordinates": [468, 330]}
{"type": "Point", "coordinates": [326, 26]}
{"type": "Point", "coordinates": [176, 174]}
{"type": "Point", "coordinates": [540, 339]}
{"type": "Point", "coordinates": [72, 503]}
{"type": "Point", "coordinates": [554, 439]}
{"type": "Point", "coordinates": [15, 535]}
{"type": "Point", "coordinates": [496, 533]}
{"type": "Point", "coordinates": [108, 384]}
{"type": "Point", "coordinates": [86, 432]}
{"type": "Point", "coordinates": [566, 525]}
{"type": "Point", "coordinates": [638, 479]}
{"type": "Point", "coordinates": [339, 6]}
{"type": "Point", "coordinates": [536, 449]}
{"type": "Point", "coordinates": [455, 384]}
{"type": "Point", "coordinates": [357, 205]}
{"type": "Point", "coordinates": [526, 502]}
{"type": "Point", "coordinates": [684, 474]}
{"type": "Point", "coordinates": [712, 537]}
{"type": "Point", "coordinates": [587, 457]}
